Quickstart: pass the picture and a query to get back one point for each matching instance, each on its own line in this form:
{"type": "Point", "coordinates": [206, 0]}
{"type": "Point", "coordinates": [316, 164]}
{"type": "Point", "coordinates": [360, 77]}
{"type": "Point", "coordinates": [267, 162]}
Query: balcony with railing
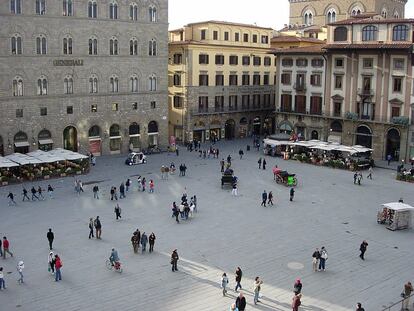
{"type": "Point", "coordinates": [300, 87]}
{"type": "Point", "coordinates": [366, 92]}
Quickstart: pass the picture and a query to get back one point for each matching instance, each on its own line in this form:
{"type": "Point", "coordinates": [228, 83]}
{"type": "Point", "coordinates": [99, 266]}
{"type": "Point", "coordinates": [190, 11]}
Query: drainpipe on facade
{"type": "Point", "coordinates": [324, 95]}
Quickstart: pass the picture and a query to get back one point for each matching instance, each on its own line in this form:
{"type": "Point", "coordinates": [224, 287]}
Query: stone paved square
{"type": "Point", "coordinates": [275, 243]}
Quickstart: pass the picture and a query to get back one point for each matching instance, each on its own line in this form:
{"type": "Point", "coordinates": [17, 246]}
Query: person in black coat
{"type": "Point", "coordinates": [264, 198]}
{"type": "Point", "coordinates": [239, 275]}
{"type": "Point", "coordinates": [363, 249]}
{"type": "Point", "coordinates": [241, 302]}
{"type": "Point", "coordinates": [50, 237]}
{"type": "Point", "coordinates": [264, 164]}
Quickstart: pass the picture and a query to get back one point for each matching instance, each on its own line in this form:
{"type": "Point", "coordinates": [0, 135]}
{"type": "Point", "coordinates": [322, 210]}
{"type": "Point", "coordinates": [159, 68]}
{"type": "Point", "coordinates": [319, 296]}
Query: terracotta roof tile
{"type": "Point", "coordinates": [230, 24]}
{"type": "Point", "coordinates": [368, 46]}
{"type": "Point", "coordinates": [316, 49]}
{"type": "Point", "coordinates": [295, 39]}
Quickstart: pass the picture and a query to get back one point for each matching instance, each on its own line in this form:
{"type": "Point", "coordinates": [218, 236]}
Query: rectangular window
{"type": "Point", "coordinates": [94, 108]}
{"type": "Point", "coordinates": [257, 61]}
{"type": "Point", "coordinates": [226, 36]}
{"type": "Point", "coordinates": [178, 59]}
{"type": "Point", "coordinates": [203, 34]}
{"type": "Point", "coordinates": [203, 104]}
{"type": "Point", "coordinates": [69, 109]}
{"type": "Point", "coordinates": [300, 104]}
{"type": "Point", "coordinates": [316, 105]}
{"type": "Point", "coordinates": [315, 79]}
{"type": "Point", "coordinates": [245, 101]}
{"type": "Point", "coordinates": [246, 60]}
{"type": "Point", "coordinates": [287, 62]}
{"type": "Point", "coordinates": [245, 37]}
{"type": "Point", "coordinates": [286, 103]}
{"type": "Point", "coordinates": [399, 63]}
{"type": "Point", "coordinates": [300, 84]}
{"type": "Point", "coordinates": [256, 79]}
{"type": "Point", "coordinates": [339, 62]}
{"type": "Point", "coordinates": [219, 79]}
{"type": "Point", "coordinates": [219, 59]}
{"type": "Point", "coordinates": [302, 62]}
{"type": "Point", "coordinates": [337, 109]}
{"type": "Point", "coordinates": [338, 82]}
{"type": "Point", "coordinates": [233, 79]}
{"type": "Point", "coordinates": [254, 38]}
{"type": "Point", "coordinates": [397, 85]}
{"type": "Point", "coordinates": [219, 103]}
{"type": "Point", "coordinates": [367, 63]}
{"type": "Point", "coordinates": [203, 59]}
{"type": "Point", "coordinates": [265, 39]}
{"type": "Point", "coordinates": [237, 37]}
{"type": "Point", "coordinates": [153, 104]}
{"type": "Point", "coordinates": [178, 102]}
{"type": "Point", "coordinates": [134, 106]}
{"type": "Point", "coordinates": [256, 101]}
{"type": "Point", "coordinates": [233, 102]}
{"type": "Point", "coordinates": [43, 111]}
{"type": "Point", "coordinates": [177, 79]}
{"type": "Point", "coordinates": [245, 79]}
{"type": "Point", "coordinates": [203, 80]}
{"type": "Point", "coordinates": [286, 78]}
{"type": "Point", "coordinates": [266, 100]}
{"type": "Point", "coordinates": [395, 112]}
{"type": "Point", "coordinates": [317, 62]}
{"type": "Point", "coordinates": [215, 35]}
{"type": "Point", "coordinates": [115, 107]}
{"type": "Point", "coordinates": [266, 79]}
{"type": "Point", "coordinates": [19, 113]}
{"type": "Point", "coordinates": [233, 60]}
{"type": "Point", "coordinates": [267, 61]}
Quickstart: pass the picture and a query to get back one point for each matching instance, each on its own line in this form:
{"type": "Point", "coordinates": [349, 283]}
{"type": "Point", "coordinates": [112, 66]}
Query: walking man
{"type": "Point", "coordinates": [241, 302]}
{"type": "Point", "coordinates": [25, 194]}
{"type": "Point", "coordinates": [50, 237]}
{"type": "Point", "coordinates": [264, 164]}
{"type": "Point", "coordinates": [6, 246]}
{"type": "Point", "coordinates": [122, 191]}
{"type": "Point", "coordinates": [127, 184]}
{"type": "Point", "coordinates": [315, 259]}
{"type": "Point", "coordinates": [174, 260]}
{"type": "Point", "coordinates": [238, 278]}
{"type": "Point", "coordinates": [11, 199]}
{"type": "Point", "coordinates": [260, 163]}
{"type": "Point", "coordinates": [144, 241]}
{"type": "Point", "coordinates": [117, 211]}
{"type": "Point", "coordinates": [98, 228]}
{"type": "Point", "coordinates": [408, 289]}
{"type": "Point", "coordinates": [222, 165]}
{"type": "Point", "coordinates": [50, 191]}
{"type": "Point", "coordinates": [95, 190]}
{"type": "Point", "coordinates": [292, 194]}
{"type": "Point", "coordinates": [363, 249]}
{"type": "Point", "coordinates": [256, 289]}
{"type": "Point", "coordinates": [151, 242]}
{"type": "Point", "coordinates": [264, 198]}
{"type": "Point", "coordinates": [91, 228]}
{"type": "Point", "coordinates": [39, 191]}
{"type": "Point", "coordinates": [270, 198]}
{"type": "Point", "coordinates": [323, 258]}
{"type": "Point", "coordinates": [20, 267]}
{"type": "Point", "coordinates": [135, 242]}
{"type": "Point", "coordinates": [33, 191]}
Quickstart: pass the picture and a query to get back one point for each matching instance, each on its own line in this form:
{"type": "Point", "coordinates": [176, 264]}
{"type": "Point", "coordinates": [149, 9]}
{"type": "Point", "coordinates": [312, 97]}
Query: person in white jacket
{"type": "Point", "coordinates": [51, 262]}
{"type": "Point", "coordinates": [20, 267]}
{"type": "Point", "coordinates": [2, 283]}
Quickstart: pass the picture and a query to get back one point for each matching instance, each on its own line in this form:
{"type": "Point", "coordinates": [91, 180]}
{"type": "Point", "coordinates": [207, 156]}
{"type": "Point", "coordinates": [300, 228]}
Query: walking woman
{"type": "Point", "coordinates": [51, 262]}
{"type": "Point", "coordinates": [256, 289]}
{"type": "Point", "coordinates": [224, 283]}
{"type": "Point", "coordinates": [174, 260]}
{"type": "Point", "coordinates": [117, 211]}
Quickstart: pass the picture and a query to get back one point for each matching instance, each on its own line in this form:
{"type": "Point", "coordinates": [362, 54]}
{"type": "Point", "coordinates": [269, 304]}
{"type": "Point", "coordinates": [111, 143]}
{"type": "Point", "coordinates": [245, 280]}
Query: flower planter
{"type": "Point", "coordinates": [4, 183]}
{"type": "Point", "coordinates": [46, 177]}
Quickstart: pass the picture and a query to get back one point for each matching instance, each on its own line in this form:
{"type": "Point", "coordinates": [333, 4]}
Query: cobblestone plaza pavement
{"type": "Point", "coordinates": [275, 243]}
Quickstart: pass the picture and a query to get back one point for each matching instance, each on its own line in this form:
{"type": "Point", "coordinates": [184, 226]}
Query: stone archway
{"type": "Point", "coordinates": [257, 125]}
{"type": "Point", "coordinates": [314, 135]}
{"type": "Point", "coordinates": [45, 141]}
{"type": "Point", "coordinates": [364, 136]}
{"type": "Point", "coordinates": [393, 144]}
{"type": "Point", "coordinates": [21, 142]}
{"type": "Point", "coordinates": [95, 140]}
{"type": "Point", "coordinates": [230, 129]}
{"type": "Point", "coordinates": [70, 138]}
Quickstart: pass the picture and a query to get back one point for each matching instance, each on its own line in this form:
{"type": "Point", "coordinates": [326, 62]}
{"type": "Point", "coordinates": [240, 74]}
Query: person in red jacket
{"type": "Point", "coordinates": [296, 302]}
{"type": "Point", "coordinates": [58, 266]}
{"type": "Point", "coordinates": [6, 246]}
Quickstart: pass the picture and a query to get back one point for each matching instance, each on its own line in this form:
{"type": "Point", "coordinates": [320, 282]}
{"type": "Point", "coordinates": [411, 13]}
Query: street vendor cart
{"type": "Point", "coordinates": [396, 216]}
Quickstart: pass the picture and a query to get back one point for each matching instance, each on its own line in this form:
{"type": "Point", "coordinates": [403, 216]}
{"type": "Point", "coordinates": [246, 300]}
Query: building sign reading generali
{"type": "Point", "coordinates": [68, 62]}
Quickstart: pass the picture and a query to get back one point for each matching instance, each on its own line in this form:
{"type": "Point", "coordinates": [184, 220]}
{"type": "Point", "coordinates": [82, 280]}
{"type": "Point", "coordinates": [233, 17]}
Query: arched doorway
{"type": "Point", "coordinates": [285, 128]}
{"type": "Point", "coordinates": [393, 144]}
{"type": "Point", "coordinates": [95, 140]}
{"type": "Point", "coordinates": [70, 138]}
{"type": "Point", "coordinates": [314, 135]}
{"type": "Point", "coordinates": [364, 136]}
{"type": "Point", "coordinates": [1, 146]}
{"type": "Point", "coordinates": [268, 126]}
{"type": "Point", "coordinates": [243, 127]}
{"type": "Point", "coordinates": [336, 127]}
{"type": "Point", "coordinates": [215, 130]}
{"type": "Point", "coordinates": [134, 137]}
{"type": "Point", "coordinates": [229, 129]}
{"type": "Point", "coordinates": [257, 125]}
{"type": "Point", "coordinates": [115, 139]}
{"type": "Point", "coordinates": [21, 143]}
{"type": "Point", "coordinates": [153, 134]}
{"type": "Point", "coordinates": [45, 141]}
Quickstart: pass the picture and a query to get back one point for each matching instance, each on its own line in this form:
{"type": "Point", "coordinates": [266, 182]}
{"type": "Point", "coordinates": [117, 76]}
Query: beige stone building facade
{"type": "Point", "coordinates": [368, 86]}
{"type": "Point", "coordinates": [221, 81]}
{"type": "Point", "coordinates": [84, 75]}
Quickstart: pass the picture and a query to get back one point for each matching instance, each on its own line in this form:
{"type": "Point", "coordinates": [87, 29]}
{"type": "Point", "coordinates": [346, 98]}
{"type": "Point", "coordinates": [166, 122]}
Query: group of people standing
{"type": "Point", "coordinates": [186, 209]}
{"type": "Point", "coordinates": [138, 238]}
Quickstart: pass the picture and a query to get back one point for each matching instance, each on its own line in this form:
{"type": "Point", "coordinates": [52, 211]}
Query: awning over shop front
{"type": "Point", "coordinates": [6, 163]}
{"type": "Point", "coordinates": [67, 154]}
{"type": "Point", "coordinates": [46, 157]}
{"type": "Point", "coordinates": [45, 141]}
{"type": "Point", "coordinates": [21, 144]}
{"type": "Point", "coordinates": [23, 159]}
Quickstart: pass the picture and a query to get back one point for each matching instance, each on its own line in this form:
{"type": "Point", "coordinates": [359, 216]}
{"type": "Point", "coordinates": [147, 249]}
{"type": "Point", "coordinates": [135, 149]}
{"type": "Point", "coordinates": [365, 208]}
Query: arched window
{"type": "Point", "coordinates": [68, 85]}
{"type": "Point", "coordinates": [134, 129]}
{"type": "Point", "coordinates": [93, 46]}
{"type": "Point", "coordinates": [114, 84]}
{"type": "Point", "coordinates": [93, 84]}
{"type": "Point", "coordinates": [400, 33]}
{"type": "Point", "coordinates": [152, 83]}
{"type": "Point", "coordinates": [94, 131]}
{"type": "Point", "coordinates": [331, 16]}
{"type": "Point", "coordinates": [369, 33]}
{"type": "Point", "coordinates": [152, 10]}
{"type": "Point", "coordinates": [308, 18]}
{"type": "Point", "coordinates": [152, 48]}
{"type": "Point", "coordinates": [384, 13]}
{"type": "Point", "coordinates": [67, 7]}
{"type": "Point", "coordinates": [113, 10]}
{"type": "Point", "coordinates": [396, 14]}
{"type": "Point", "coordinates": [16, 6]}
{"type": "Point", "coordinates": [113, 46]}
{"type": "Point", "coordinates": [16, 44]}
{"type": "Point", "coordinates": [356, 10]}
{"type": "Point", "coordinates": [133, 84]}
{"type": "Point", "coordinates": [336, 126]}
{"type": "Point", "coordinates": [67, 45]}
{"type": "Point", "coordinates": [133, 11]}
{"type": "Point", "coordinates": [153, 127]}
{"type": "Point", "coordinates": [92, 9]}
{"type": "Point", "coordinates": [133, 46]}
{"type": "Point", "coordinates": [40, 7]}
{"type": "Point", "coordinates": [41, 45]}
{"type": "Point", "coordinates": [42, 86]}
{"type": "Point", "coordinates": [114, 130]}
{"type": "Point", "coordinates": [340, 34]}
{"type": "Point", "coordinates": [17, 86]}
